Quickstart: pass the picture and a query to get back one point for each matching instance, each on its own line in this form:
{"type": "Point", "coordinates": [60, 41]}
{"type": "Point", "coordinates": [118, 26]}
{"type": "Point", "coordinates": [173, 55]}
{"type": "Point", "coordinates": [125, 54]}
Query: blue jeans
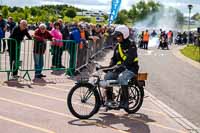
{"type": "Point", "coordinates": [39, 62]}
{"type": "Point", "coordinates": [123, 78]}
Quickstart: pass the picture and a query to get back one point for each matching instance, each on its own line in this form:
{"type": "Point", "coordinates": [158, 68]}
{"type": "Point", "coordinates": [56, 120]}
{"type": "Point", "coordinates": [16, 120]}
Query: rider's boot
{"type": "Point", "coordinates": [109, 98]}
{"type": "Point", "coordinates": [124, 102]}
{"type": "Point", "coordinates": [109, 93]}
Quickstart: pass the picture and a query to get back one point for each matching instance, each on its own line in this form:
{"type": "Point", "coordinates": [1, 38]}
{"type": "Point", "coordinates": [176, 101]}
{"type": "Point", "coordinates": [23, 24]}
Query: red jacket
{"type": "Point", "coordinates": [40, 41]}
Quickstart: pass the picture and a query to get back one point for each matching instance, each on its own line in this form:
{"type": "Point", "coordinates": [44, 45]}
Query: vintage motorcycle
{"type": "Point", "coordinates": [86, 97]}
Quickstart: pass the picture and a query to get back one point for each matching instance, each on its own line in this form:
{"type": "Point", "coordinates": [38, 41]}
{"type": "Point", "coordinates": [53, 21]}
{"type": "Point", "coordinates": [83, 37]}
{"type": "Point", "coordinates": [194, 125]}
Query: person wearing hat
{"type": "Point", "coordinates": [126, 58]}
{"type": "Point", "coordinates": [3, 28]}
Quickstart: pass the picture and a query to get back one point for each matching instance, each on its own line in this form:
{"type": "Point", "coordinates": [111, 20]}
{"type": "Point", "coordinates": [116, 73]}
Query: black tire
{"type": "Point", "coordinates": [139, 92]}
{"type": "Point", "coordinates": [96, 105]}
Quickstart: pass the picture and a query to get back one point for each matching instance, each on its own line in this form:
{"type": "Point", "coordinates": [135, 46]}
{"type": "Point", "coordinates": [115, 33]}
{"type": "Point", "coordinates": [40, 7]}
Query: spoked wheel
{"type": "Point", "coordinates": [83, 101]}
{"type": "Point", "coordinates": [136, 96]}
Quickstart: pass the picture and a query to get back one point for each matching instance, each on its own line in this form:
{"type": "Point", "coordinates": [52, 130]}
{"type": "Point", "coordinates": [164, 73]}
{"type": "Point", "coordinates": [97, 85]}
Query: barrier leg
{"type": "Point", "coordinates": [26, 73]}
{"type": "Point", "coordinates": [72, 61]}
{"type": "Point", "coordinates": [8, 76]}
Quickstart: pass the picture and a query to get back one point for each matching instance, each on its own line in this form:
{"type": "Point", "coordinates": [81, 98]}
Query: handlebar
{"type": "Point", "coordinates": [103, 68]}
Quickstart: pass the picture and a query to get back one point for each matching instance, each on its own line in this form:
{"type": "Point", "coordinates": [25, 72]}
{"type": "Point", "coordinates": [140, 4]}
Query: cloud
{"type": "Point", "coordinates": [103, 4]}
{"type": "Point", "coordinates": [82, 2]}
{"type": "Point", "coordinates": [23, 3]}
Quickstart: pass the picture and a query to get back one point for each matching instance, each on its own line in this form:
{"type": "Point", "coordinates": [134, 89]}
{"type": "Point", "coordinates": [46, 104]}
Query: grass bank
{"type": "Point", "coordinates": [192, 52]}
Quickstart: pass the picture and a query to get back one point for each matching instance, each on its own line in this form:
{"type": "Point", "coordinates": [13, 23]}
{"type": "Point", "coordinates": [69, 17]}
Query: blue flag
{"type": "Point", "coordinates": [114, 10]}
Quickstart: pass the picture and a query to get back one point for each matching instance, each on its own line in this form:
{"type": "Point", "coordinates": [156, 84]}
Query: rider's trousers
{"type": "Point", "coordinates": [123, 78]}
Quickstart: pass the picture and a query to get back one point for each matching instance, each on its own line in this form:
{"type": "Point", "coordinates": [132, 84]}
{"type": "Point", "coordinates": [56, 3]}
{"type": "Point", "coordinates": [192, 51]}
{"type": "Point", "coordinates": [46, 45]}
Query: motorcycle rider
{"type": "Point", "coordinates": [163, 41]}
{"type": "Point", "coordinates": [125, 56]}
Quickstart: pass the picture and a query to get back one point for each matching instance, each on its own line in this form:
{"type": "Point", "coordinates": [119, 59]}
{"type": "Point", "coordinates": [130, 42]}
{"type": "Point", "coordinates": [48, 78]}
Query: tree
{"type": "Point", "coordinates": [5, 11]}
{"type": "Point", "coordinates": [71, 13]}
{"type": "Point", "coordinates": [17, 16]}
{"type": "Point", "coordinates": [153, 6]}
{"type": "Point", "coordinates": [13, 9]}
{"type": "Point", "coordinates": [133, 13]}
{"type": "Point", "coordinates": [180, 17]}
{"type": "Point", "coordinates": [19, 9]}
{"type": "Point", "coordinates": [26, 13]}
{"type": "Point", "coordinates": [105, 17]}
{"type": "Point", "coordinates": [33, 11]}
{"type": "Point", "coordinates": [52, 18]}
{"type": "Point", "coordinates": [142, 9]}
{"type": "Point", "coordinates": [122, 17]}
{"type": "Point", "coordinates": [196, 16]}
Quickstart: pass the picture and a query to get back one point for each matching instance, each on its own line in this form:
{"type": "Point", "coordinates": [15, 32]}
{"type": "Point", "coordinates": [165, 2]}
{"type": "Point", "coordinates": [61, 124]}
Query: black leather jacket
{"type": "Point", "coordinates": [130, 50]}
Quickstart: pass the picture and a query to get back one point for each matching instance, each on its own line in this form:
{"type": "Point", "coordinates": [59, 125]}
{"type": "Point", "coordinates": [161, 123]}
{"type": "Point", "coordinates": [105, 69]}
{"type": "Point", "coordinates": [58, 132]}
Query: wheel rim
{"type": "Point", "coordinates": [83, 101]}
{"type": "Point", "coordinates": [134, 97]}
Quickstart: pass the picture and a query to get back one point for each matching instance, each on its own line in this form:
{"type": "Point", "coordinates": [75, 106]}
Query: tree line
{"type": "Point", "coordinates": [50, 13]}
{"type": "Point", "coordinates": [141, 10]}
{"type": "Point", "coordinates": [43, 13]}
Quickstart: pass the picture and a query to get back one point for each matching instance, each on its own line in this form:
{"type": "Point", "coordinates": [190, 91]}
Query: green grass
{"type": "Point", "coordinates": [192, 52]}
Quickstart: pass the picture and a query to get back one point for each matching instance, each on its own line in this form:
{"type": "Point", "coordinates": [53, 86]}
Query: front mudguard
{"type": "Point", "coordinates": [87, 84]}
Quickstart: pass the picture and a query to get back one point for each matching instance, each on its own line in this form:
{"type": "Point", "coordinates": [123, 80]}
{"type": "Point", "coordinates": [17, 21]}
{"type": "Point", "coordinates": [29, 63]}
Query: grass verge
{"type": "Point", "coordinates": [193, 52]}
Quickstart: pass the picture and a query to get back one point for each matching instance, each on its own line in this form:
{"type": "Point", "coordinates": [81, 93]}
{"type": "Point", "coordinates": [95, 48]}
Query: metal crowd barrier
{"type": "Point", "coordinates": [82, 55]}
{"type": "Point", "coordinates": [54, 57]}
{"type": "Point", "coordinates": [74, 56]}
{"type": "Point", "coordinates": [92, 48]}
{"type": "Point", "coordinates": [9, 58]}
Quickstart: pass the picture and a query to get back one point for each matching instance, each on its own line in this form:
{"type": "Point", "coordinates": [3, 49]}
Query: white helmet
{"type": "Point", "coordinates": [124, 30]}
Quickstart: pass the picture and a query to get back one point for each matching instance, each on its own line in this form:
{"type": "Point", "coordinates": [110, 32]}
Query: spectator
{"type": "Point", "coordinates": [64, 30]}
{"type": "Point", "coordinates": [75, 34]}
{"type": "Point", "coordinates": [108, 38]}
{"type": "Point", "coordinates": [154, 34]}
{"type": "Point", "coordinates": [19, 32]}
{"type": "Point", "coordinates": [84, 34]}
{"type": "Point", "coordinates": [170, 37]}
{"type": "Point", "coordinates": [1, 34]}
{"type": "Point", "coordinates": [57, 46]}
{"type": "Point", "coordinates": [11, 24]}
{"type": "Point", "coordinates": [184, 36]}
{"type": "Point", "coordinates": [146, 39]}
{"type": "Point", "coordinates": [66, 35]}
{"type": "Point", "coordinates": [131, 36]}
{"type": "Point", "coordinates": [41, 36]}
{"type": "Point", "coordinates": [191, 38]}
{"type": "Point", "coordinates": [97, 31]}
{"type": "Point", "coordinates": [141, 43]}
{"type": "Point", "coordinates": [3, 26]}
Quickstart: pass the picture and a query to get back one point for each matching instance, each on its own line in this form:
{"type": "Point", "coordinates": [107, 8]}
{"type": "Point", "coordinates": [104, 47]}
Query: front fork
{"type": "Point", "coordinates": [101, 96]}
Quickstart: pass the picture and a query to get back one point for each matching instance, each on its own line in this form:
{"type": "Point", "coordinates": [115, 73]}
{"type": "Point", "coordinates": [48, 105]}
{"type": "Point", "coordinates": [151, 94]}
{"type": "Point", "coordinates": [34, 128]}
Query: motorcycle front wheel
{"type": "Point", "coordinates": [83, 101]}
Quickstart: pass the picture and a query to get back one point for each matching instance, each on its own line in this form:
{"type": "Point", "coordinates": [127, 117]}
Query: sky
{"type": "Point", "coordinates": [104, 4]}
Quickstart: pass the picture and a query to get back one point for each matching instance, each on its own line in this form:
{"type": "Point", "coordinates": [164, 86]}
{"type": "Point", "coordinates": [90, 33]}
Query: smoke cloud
{"type": "Point", "coordinates": [165, 18]}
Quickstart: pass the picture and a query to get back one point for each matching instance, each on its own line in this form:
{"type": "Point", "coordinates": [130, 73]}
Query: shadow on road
{"type": "Point", "coordinates": [24, 84]}
{"type": "Point", "coordinates": [58, 73]}
{"type": "Point", "coordinates": [136, 123]}
{"type": "Point", "coordinates": [13, 83]}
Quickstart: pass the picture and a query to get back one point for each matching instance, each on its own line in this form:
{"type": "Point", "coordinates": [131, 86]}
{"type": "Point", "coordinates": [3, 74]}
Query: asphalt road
{"type": "Point", "coordinates": [40, 107]}
{"type": "Point", "coordinates": [173, 81]}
